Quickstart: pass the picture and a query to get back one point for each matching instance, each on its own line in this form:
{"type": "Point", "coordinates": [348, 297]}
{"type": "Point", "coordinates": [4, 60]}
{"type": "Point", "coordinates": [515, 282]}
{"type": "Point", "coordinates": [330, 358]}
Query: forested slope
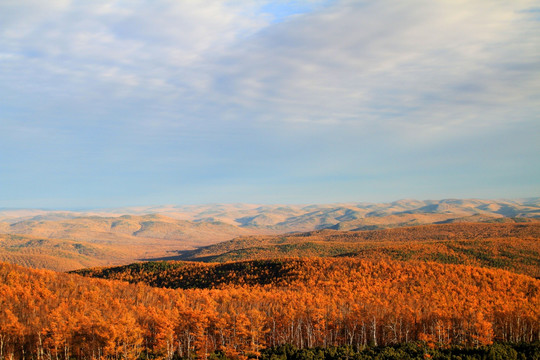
{"type": "Point", "coordinates": [123, 239]}
{"type": "Point", "coordinates": [195, 309]}
{"type": "Point", "coordinates": [514, 247]}
{"type": "Point", "coordinates": [336, 302]}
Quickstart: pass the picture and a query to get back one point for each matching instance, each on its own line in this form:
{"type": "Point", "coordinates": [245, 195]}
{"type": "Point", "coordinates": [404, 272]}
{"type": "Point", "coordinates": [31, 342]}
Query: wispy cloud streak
{"type": "Point", "coordinates": [227, 91]}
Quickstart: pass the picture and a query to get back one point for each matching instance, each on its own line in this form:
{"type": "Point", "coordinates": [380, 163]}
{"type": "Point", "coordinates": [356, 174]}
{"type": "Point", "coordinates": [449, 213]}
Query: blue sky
{"type": "Point", "coordinates": [114, 103]}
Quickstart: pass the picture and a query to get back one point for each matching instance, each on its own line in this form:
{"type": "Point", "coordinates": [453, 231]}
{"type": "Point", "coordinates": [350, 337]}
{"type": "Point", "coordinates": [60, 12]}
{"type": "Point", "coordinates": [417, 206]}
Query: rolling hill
{"type": "Point", "coordinates": [69, 244]}
{"type": "Point", "coordinates": [168, 232]}
{"type": "Point", "coordinates": [343, 216]}
{"type": "Point", "coordinates": [58, 254]}
{"type": "Point", "coordinates": [107, 229]}
{"type": "Point", "coordinates": [509, 246]}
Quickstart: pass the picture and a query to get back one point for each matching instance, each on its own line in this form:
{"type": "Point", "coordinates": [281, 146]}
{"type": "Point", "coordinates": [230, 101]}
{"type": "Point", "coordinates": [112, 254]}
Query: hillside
{"type": "Point", "coordinates": [90, 242]}
{"type": "Point", "coordinates": [342, 216]}
{"type": "Point", "coordinates": [182, 232]}
{"type": "Point", "coordinates": [509, 246]}
{"type": "Point", "coordinates": [58, 254]}
{"type": "Point", "coordinates": [67, 244]}
{"type": "Point", "coordinates": [107, 229]}
{"type": "Point", "coordinates": [354, 216]}
{"type": "Point", "coordinates": [242, 308]}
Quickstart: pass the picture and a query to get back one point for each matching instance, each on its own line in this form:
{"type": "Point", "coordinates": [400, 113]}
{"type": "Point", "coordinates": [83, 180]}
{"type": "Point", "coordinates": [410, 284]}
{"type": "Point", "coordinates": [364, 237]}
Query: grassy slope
{"type": "Point", "coordinates": [69, 244]}
{"type": "Point", "coordinates": [127, 228]}
{"type": "Point", "coordinates": [57, 254]}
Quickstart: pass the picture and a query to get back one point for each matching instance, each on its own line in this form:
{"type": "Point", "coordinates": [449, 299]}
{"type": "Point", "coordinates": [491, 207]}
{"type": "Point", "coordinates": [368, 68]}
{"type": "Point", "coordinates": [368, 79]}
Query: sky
{"type": "Point", "coordinates": [109, 103]}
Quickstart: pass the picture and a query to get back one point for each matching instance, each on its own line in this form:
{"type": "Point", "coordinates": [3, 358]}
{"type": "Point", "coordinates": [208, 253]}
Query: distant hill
{"type": "Point", "coordinates": [105, 229]}
{"type": "Point", "coordinates": [68, 244]}
{"type": "Point", "coordinates": [168, 232]}
{"type": "Point", "coordinates": [341, 216]}
{"type": "Point", "coordinates": [509, 246]}
{"type": "Point", "coordinates": [58, 254]}
{"type": "Point", "coordinates": [355, 216]}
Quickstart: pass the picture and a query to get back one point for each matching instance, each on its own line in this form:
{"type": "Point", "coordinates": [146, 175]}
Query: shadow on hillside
{"type": "Point", "coordinates": [181, 255]}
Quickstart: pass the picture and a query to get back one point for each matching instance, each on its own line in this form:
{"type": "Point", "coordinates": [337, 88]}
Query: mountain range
{"type": "Point", "coordinates": [67, 240]}
{"type": "Point", "coordinates": [283, 218]}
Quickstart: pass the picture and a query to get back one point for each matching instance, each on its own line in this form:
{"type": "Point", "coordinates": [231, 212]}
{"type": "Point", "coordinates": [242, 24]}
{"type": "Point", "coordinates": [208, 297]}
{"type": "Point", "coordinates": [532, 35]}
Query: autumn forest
{"type": "Point", "coordinates": [412, 292]}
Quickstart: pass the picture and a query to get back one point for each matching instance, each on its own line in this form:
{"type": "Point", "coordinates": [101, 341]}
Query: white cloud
{"type": "Point", "coordinates": [324, 87]}
{"type": "Point", "coordinates": [411, 64]}
{"type": "Point", "coordinates": [407, 64]}
{"type": "Point", "coordinates": [115, 49]}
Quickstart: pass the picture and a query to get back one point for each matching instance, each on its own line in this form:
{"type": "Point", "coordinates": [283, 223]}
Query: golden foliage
{"type": "Point", "coordinates": [304, 302]}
